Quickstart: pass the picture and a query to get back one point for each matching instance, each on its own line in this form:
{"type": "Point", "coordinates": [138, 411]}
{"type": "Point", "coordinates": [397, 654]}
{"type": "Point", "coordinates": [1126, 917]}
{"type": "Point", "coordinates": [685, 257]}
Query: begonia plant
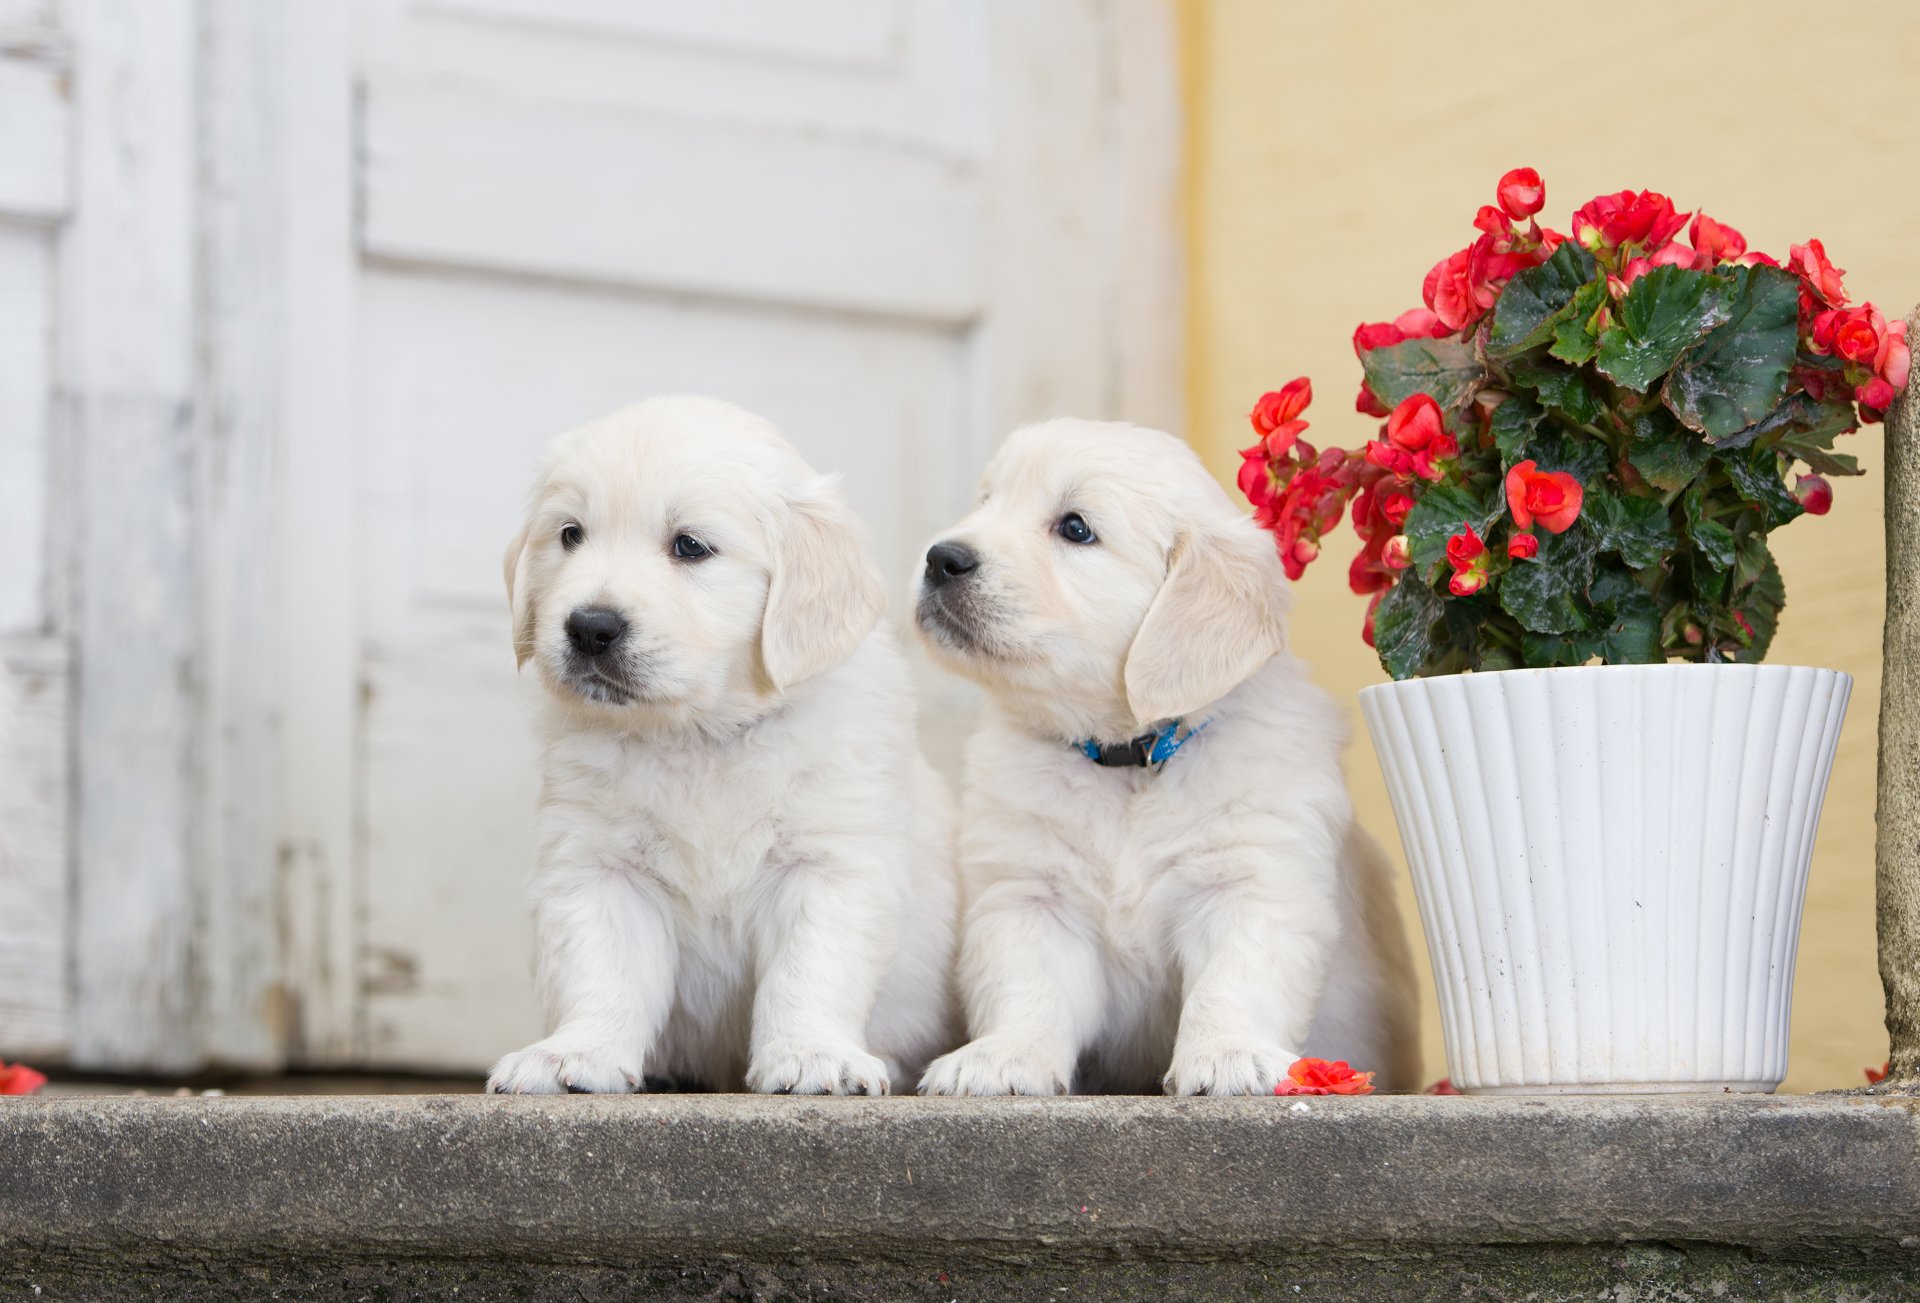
{"type": "Point", "coordinates": [1587, 439]}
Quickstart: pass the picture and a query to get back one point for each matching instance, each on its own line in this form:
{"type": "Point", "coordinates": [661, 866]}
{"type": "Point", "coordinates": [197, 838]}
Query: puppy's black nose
{"type": "Point", "coordinates": [949, 561]}
{"type": "Point", "coordinates": [595, 631]}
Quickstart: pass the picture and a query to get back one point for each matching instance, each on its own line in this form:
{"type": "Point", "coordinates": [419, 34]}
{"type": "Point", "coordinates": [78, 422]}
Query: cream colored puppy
{"type": "Point", "coordinates": [745, 867]}
{"type": "Point", "coordinates": [1195, 909]}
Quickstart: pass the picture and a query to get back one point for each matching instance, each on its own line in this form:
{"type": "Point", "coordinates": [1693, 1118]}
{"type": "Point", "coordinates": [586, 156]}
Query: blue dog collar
{"type": "Point", "coordinates": [1148, 751]}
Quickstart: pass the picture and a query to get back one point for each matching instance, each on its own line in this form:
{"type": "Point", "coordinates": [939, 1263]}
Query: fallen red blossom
{"type": "Point", "coordinates": [1319, 1077]}
{"type": "Point", "coordinates": [20, 1079]}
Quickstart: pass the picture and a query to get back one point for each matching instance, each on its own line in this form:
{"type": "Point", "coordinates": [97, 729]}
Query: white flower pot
{"type": "Point", "coordinates": [1610, 863]}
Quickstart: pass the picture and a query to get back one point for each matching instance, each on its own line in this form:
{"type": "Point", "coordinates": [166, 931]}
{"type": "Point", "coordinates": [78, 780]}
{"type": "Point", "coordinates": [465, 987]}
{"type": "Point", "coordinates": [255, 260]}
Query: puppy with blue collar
{"type": "Point", "coordinates": [1165, 885]}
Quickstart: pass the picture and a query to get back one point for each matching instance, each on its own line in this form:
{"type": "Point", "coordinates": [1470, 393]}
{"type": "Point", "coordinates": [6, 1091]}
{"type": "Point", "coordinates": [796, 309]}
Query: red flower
{"type": "Point", "coordinates": [1395, 505]}
{"type": "Point", "coordinates": [1894, 359]}
{"type": "Point", "coordinates": [1414, 323]}
{"type": "Point", "coordinates": [1875, 351]}
{"type": "Point", "coordinates": [1466, 547]}
{"type": "Point", "coordinates": [1319, 1077]}
{"type": "Point", "coordinates": [1398, 553]}
{"type": "Point", "coordinates": [1255, 480]}
{"type": "Point", "coordinates": [1522, 546]}
{"type": "Point", "coordinates": [1877, 1075]}
{"type": "Point", "coordinates": [1444, 1086]}
{"type": "Point", "coordinates": [1820, 275]}
{"type": "Point", "coordinates": [1714, 244]}
{"type": "Point", "coordinates": [1368, 336]}
{"type": "Point", "coordinates": [1876, 395]}
{"type": "Point", "coordinates": [1368, 403]}
{"type": "Point", "coordinates": [1672, 254]}
{"type": "Point", "coordinates": [1520, 193]}
{"type": "Point", "coordinates": [1282, 405]}
{"type": "Point", "coordinates": [1853, 336]}
{"type": "Point", "coordinates": [1416, 423]}
{"type": "Point", "coordinates": [1430, 462]}
{"type": "Point", "coordinates": [1449, 291]}
{"type": "Point", "coordinates": [1467, 554]}
{"type": "Point", "coordinates": [1366, 626]}
{"type": "Point", "coordinates": [1814, 493]}
{"type": "Point", "coordinates": [1551, 497]}
{"type": "Point", "coordinates": [1397, 461]}
{"type": "Point", "coordinates": [1646, 220]}
{"type": "Point", "coordinates": [20, 1079]}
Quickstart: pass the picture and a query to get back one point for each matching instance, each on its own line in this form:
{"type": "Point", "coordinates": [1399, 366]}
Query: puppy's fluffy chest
{"type": "Point", "coordinates": [702, 822]}
{"type": "Point", "coordinates": [1122, 839]}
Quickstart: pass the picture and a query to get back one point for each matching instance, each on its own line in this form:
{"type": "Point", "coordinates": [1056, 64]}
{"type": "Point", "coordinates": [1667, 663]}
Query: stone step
{"type": "Point", "coordinates": [689, 1196]}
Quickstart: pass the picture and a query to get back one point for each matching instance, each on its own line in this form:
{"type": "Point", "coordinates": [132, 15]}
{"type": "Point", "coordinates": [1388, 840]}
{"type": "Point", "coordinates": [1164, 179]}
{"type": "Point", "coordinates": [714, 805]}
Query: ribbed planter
{"type": "Point", "coordinates": [1610, 863]}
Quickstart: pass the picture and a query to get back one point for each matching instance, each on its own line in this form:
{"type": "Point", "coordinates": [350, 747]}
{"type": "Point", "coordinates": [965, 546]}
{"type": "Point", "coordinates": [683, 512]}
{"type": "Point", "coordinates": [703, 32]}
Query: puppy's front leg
{"type": "Point", "coordinates": [823, 941]}
{"type": "Point", "coordinates": [1035, 990]}
{"type": "Point", "coordinates": [1253, 955]}
{"type": "Point", "coordinates": [604, 965]}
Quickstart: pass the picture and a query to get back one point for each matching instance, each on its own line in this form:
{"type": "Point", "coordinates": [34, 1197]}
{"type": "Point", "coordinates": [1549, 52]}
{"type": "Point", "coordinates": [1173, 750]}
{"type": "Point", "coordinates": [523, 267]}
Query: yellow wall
{"type": "Point", "coordinates": [1338, 151]}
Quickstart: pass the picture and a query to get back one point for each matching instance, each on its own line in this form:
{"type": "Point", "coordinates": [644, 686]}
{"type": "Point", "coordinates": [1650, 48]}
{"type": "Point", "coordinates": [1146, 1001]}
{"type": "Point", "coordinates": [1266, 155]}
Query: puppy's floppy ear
{"type": "Point", "coordinates": [824, 595]}
{"type": "Point", "coordinates": [1220, 615]}
{"type": "Point", "coordinates": [520, 596]}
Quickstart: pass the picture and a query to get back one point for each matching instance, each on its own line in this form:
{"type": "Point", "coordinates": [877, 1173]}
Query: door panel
{"type": "Point", "coordinates": [832, 214]}
{"type": "Point", "coordinates": [465, 379]}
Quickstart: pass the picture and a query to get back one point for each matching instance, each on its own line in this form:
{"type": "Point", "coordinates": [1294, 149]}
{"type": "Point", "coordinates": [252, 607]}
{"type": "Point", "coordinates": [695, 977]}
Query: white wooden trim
{"type": "Point", "coordinates": [35, 147]}
{"type": "Point", "coordinates": [1146, 263]}
{"type": "Point", "coordinates": [317, 608]}
{"type": "Point", "coordinates": [1083, 310]}
{"type": "Point", "coordinates": [125, 369]}
{"type": "Point", "coordinates": [472, 179]}
{"type": "Point", "coordinates": [242, 1011]}
{"type": "Point", "coordinates": [35, 999]}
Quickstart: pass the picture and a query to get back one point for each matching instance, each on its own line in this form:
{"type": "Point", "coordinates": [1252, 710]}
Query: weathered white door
{"type": "Point", "coordinates": [427, 235]}
{"type": "Point", "coordinates": [36, 180]}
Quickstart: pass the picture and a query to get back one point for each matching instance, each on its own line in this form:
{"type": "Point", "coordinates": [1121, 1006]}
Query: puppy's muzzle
{"type": "Point", "coordinates": [595, 631]}
{"type": "Point", "coordinates": [947, 562]}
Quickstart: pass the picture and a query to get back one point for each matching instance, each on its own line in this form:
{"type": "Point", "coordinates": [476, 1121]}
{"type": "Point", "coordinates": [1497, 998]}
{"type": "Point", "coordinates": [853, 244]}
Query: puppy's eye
{"type": "Point", "coordinates": [689, 548]}
{"type": "Point", "coordinates": [572, 536]}
{"type": "Point", "coordinates": [1074, 529]}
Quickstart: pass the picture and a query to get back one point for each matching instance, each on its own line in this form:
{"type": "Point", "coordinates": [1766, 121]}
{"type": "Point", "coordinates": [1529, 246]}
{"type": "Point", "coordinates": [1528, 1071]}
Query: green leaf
{"type": "Point", "coordinates": [1666, 453]}
{"type": "Point", "coordinates": [1798, 416]}
{"type": "Point", "coordinates": [1761, 605]}
{"type": "Point", "coordinates": [1545, 650]}
{"type": "Point", "coordinates": [1709, 580]}
{"type": "Point", "coordinates": [1629, 624]}
{"type": "Point", "coordinates": [1444, 369]}
{"type": "Point", "coordinates": [1513, 425]}
{"type": "Point", "coordinates": [1536, 300]}
{"type": "Point", "coordinates": [1737, 374]}
{"type": "Point", "coordinates": [1547, 593]}
{"type": "Point", "coordinates": [1751, 559]}
{"type": "Point", "coordinates": [1579, 455]}
{"type": "Point", "coordinates": [1575, 337]}
{"type": "Point", "coordinates": [1714, 540]}
{"type": "Point", "coordinates": [1665, 313]}
{"type": "Point", "coordinates": [1437, 516]}
{"type": "Point", "coordinates": [1637, 528]}
{"type": "Point", "coordinates": [1403, 626]}
{"type": "Point", "coordinates": [1755, 474]}
{"type": "Point", "coordinates": [1806, 430]}
{"type": "Point", "coordinates": [1821, 461]}
{"type": "Point", "coordinates": [1561, 388]}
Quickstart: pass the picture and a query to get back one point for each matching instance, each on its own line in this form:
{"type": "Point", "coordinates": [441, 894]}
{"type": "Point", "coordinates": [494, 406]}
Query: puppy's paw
{"type": "Point", "coordinates": [993, 1065]}
{"type": "Point", "coordinates": [1226, 1068]}
{"type": "Point", "coordinates": [796, 1067]}
{"type": "Point", "coordinates": [564, 1064]}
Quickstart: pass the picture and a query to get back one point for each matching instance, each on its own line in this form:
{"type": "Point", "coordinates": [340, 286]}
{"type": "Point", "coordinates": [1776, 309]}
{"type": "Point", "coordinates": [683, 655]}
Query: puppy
{"type": "Point", "coordinates": [1194, 909]}
{"type": "Point", "coordinates": [745, 866]}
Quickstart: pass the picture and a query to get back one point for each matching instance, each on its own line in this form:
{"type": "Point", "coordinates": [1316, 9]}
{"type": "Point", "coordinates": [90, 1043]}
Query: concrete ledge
{"type": "Point", "coordinates": [731, 1196]}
